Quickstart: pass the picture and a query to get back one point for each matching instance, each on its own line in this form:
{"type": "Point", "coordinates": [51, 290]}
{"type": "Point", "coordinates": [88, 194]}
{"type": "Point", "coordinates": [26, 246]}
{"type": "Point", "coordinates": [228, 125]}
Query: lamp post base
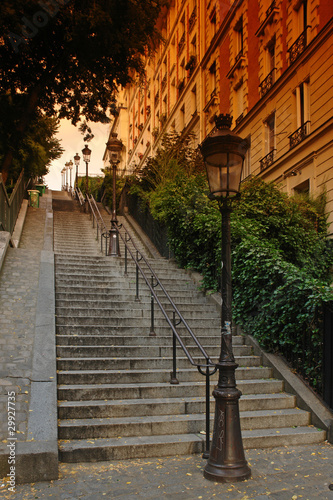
{"type": "Point", "coordinates": [227, 462]}
{"type": "Point", "coordinates": [227, 474]}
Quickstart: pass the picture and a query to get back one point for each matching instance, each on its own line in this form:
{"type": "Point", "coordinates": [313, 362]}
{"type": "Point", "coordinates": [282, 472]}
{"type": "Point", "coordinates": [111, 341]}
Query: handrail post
{"type": "Point", "coordinates": [126, 240]}
{"type": "Point", "coordinates": [206, 452]}
{"type": "Point", "coordinates": [152, 327]}
{"type": "Point", "coordinates": [137, 277]}
{"type": "Point", "coordinates": [174, 380]}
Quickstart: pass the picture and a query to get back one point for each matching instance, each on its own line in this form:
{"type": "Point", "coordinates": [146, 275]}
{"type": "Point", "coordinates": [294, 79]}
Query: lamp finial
{"type": "Point", "coordinates": [223, 121]}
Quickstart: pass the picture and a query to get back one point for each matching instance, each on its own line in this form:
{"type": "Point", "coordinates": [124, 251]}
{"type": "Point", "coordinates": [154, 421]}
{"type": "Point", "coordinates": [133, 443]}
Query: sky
{"type": "Point", "coordinates": [72, 143]}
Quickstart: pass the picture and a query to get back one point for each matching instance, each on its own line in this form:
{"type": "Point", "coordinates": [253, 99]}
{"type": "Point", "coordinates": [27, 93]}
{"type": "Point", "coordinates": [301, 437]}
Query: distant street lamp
{"type": "Point", "coordinates": [77, 162]}
{"type": "Point", "coordinates": [70, 166]}
{"type": "Point", "coordinates": [223, 153]}
{"type": "Point", "coordinates": [63, 179]}
{"type": "Point", "coordinates": [114, 146]}
{"type": "Point", "coordinates": [66, 170]}
{"type": "Point", "coordinates": [86, 158]}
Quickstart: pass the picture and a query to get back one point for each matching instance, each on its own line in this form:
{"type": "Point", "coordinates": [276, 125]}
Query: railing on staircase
{"type": "Point", "coordinates": [206, 368]}
{"type": "Point", "coordinates": [79, 196]}
{"type": "Point", "coordinates": [10, 207]}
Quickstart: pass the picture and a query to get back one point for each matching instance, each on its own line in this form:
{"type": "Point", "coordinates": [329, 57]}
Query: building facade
{"type": "Point", "coordinates": [267, 63]}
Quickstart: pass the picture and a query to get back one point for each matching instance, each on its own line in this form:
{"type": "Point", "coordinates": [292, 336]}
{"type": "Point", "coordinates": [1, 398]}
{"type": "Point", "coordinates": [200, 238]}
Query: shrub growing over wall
{"type": "Point", "coordinates": [281, 258]}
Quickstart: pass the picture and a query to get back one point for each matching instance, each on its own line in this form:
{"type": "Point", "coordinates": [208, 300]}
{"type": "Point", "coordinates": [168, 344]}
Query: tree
{"type": "Point", "coordinates": [39, 146]}
{"type": "Point", "coordinates": [67, 57]}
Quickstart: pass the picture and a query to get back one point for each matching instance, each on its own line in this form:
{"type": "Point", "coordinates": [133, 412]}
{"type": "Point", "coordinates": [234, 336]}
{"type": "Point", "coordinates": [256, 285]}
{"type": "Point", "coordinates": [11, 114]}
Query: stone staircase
{"type": "Point", "coordinates": [115, 397]}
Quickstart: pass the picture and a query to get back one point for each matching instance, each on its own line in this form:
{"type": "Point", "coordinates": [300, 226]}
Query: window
{"type": "Point", "coordinates": [212, 78]}
{"type": "Point", "coordinates": [302, 98]}
{"type": "Point", "coordinates": [302, 104]}
{"type": "Point", "coordinates": [239, 100]}
{"type": "Point", "coordinates": [270, 134]}
{"type": "Point", "coordinates": [182, 117]}
{"type": "Point", "coordinates": [239, 37]}
{"type": "Point", "coordinates": [194, 99]}
{"type": "Point", "coordinates": [247, 161]}
{"type": "Point", "coordinates": [302, 17]}
{"type": "Point", "coordinates": [270, 56]}
{"type": "Point", "coordinates": [268, 159]}
{"type": "Point", "coordinates": [303, 188]}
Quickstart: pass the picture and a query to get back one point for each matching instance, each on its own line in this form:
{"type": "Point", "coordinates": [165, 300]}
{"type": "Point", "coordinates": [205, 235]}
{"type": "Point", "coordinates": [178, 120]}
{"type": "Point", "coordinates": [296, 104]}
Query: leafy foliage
{"type": "Point", "coordinates": [67, 58]}
{"type": "Point", "coordinates": [281, 258]}
{"type": "Point", "coordinates": [36, 149]}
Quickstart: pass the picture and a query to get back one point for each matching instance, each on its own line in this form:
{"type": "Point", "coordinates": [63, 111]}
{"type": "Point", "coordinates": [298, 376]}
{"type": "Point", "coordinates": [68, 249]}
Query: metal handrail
{"type": "Point", "coordinates": [10, 206]}
{"type": "Point", "coordinates": [79, 196]}
{"type": "Point", "coordinates": [100, 224]}
{"type": "Point", "coordinates": [173, 324]}
{"type": "Point", "coordinates": [208, 368]}
{"type": "Point", "coordinates": [158, 283]}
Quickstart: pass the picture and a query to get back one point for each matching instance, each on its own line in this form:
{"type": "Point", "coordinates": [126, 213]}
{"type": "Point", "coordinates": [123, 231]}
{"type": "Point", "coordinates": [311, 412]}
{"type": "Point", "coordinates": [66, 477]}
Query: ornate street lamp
{"type": "Point", "coordinates": [86, 158]}
{"type": "Point", "coordinates": [114, 146]}
{"type": "Point", "coordinates": [223, 153]}
{"type": "Point", "coordinates": [66, 170]}
{"type": "Point", "coordinates": [70, 166]}
{"type": "Point", "coordinates": [63, 179]}
{"type": "Point", "coordinates": [77, 162]}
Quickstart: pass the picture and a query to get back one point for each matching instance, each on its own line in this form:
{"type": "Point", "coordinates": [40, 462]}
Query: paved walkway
{"type": "Point", "coordinates": [18, 298]}
{"type": "Point", "coordinates": [303, 472]}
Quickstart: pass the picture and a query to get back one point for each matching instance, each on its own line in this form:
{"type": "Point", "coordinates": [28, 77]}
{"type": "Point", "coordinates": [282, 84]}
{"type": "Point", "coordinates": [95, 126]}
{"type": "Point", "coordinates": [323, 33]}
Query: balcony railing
{"type": "Point", "coordinates": [192, 20]}
{"type": "Point", "coordinates": [299, 135]}
{"type": "Point", "coordinates": [267, 83]}
{"type": "Point", "coordinates": [298, 46]}
{"type": "Point", "coordinates": [181, 44]}
{"type": "Point", "coordinates": [267, 160]}
{"type": "Point", "coordinates": [269, 18]}
{"type": "Point", "coordinates": [164, 82]}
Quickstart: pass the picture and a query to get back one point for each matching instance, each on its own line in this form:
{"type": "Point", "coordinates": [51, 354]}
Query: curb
{"type": "Point", "coordinates": [4, 244]}
{"type": "Point", "coordinates": [16, 236]}
{"type": "Point", "coordinates": [306, 399]}
{"type": "Point", "coordinates": [37, 458]}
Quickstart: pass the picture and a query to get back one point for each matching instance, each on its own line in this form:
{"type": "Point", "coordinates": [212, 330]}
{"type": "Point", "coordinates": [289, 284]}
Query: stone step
{"type": "Point", "coordinates": [126, 340]}
{"type": "Point", "coordinates": [179, 444]}
{"type": "Point", "coordinates": [126, 311]}
{"type": "Point", "coordinates": [106, 291]}
{"type": "Point", "coordinates": [122, 449]}
{"type": "Point", "coordinates": [121, 302]}
{"type": "Point", "coordinates": [158, 390]}
{"type": "Point", "coordinates": [137, 351]}
{"type": "Point", "coordinates": [93, 428]}
{"type": "Point", "coordinates": [167, 406]}
{"type": "Point", "coordinates": [139, 320]}
{"type": "Point", "coordinates": [73, 377]}
{"type": "Point", "coordinates": [127, 330]}
{"type": "Point", "coordinates": [140, 363]}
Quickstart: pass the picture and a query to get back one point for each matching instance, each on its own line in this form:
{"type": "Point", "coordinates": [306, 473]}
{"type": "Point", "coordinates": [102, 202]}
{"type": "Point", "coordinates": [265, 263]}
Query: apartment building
{"type": "Point", "coordinates": [267, 63]}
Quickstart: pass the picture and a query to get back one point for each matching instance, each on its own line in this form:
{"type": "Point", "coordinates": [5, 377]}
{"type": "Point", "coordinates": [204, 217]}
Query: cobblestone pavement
{"type": "Point", "coordinates": [288, 473]}
{"type": "Point", "coordinates": [18, 298]}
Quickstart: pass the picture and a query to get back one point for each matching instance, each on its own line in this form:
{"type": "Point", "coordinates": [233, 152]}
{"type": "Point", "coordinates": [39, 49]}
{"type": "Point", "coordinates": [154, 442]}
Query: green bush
{"type": "Point", "coordinates": [281, 258]}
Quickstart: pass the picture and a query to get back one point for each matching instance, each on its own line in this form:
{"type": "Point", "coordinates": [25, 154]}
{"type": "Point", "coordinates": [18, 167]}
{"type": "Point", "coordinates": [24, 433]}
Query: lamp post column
{"type": "Point", "coordinates": [86, 158]}
{"type": "Point", "coordinates": [114, 147]}
{"type": "Point", "coordinates": [76, 161]}
{"type": "Point", "coordinates": [227, 461]}
{"type": "Point", "coordinates": [223, 152]}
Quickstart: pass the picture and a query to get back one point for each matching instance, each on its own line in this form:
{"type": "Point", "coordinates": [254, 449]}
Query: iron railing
{"type": "Point", "coordinates": [267, 160]}
{"type": "Point", "coordinates": [299, 135]}
{"type": "Point", "coordinates": [10, 206]}
{"type": "Point", "coordinates": [267, 83]}
{"type": "Point", "coordinates": [142, 267]}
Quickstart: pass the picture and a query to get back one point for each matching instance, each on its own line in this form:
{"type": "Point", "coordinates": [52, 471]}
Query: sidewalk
{"type": "Point", "coordinates": [303, 472]}
{"type": "Point", "coordinates": [27, 366]}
